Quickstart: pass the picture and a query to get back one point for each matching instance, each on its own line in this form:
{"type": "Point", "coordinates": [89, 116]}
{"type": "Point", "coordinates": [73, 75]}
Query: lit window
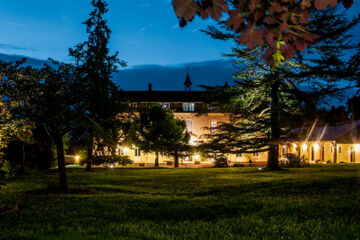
{"type": "Point", "coordinates": [165, 105]}
{"type": "Point", "coordinates": [133, 106]}
{"type": "Point", "coordinates": [213, 126]}
{"type": "Point", "coordinates": [189, 107]}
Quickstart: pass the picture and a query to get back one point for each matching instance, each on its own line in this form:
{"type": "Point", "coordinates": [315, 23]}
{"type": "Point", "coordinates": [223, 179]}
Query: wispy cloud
{"type": "Point", "coordinates": [143, 29]}
{"type": "Point", "coordinates": [175, 26]}
{"type": "Point", "coordinates": [12, 47]}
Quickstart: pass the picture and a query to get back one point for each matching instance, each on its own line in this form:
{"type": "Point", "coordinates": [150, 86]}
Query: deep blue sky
{"type": "Point", "coordinates": [144, 31]}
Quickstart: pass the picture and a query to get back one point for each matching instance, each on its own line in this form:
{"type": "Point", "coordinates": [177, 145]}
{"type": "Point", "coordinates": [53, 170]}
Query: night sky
{"type": "Point", "coordinates": [144, 31]}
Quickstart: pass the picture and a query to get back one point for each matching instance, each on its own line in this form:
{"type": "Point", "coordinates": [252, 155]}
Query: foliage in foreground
{"type": "Point", "coordinates": [320, 202]}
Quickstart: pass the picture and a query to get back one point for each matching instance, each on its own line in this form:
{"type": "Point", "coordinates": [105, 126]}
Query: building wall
{"type": "Point", "coordinates": [343, 151]}
{"type": "Point", "coordinates": [198, 129]}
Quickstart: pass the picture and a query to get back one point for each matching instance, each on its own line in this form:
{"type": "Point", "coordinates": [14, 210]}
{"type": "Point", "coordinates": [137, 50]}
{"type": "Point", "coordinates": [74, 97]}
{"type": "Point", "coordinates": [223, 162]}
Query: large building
{"type": "Point", "coordinates": [201, 118]}
{"type": "Point", "coordinates": [329, 144]}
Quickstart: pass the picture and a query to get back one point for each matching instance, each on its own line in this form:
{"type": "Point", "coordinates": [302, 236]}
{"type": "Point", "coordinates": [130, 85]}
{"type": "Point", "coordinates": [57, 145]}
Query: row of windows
{"type": "Point", "coordinates": [241, 155]}
{"type": "Point", "coordinates": [213, 125]}
{"type": "Point", "coordinates": [187, 107]}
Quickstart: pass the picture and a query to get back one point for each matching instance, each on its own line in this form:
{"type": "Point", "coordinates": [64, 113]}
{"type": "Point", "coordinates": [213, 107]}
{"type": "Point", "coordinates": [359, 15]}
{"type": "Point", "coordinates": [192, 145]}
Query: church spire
{"type": "Point", "coordinates": [188, 82]}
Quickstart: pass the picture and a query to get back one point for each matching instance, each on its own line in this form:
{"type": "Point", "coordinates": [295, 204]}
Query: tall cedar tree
{"type": "Point", "coordinates": [265, 97]}
{"type": "Point", "coordinates": [95, 67]}
{"type": "Point", "coordinates": [160, 132]}
{"type": "Point", "coordinates": [44, 97]}
{"type": "Point", "coordinates": [281, 24]}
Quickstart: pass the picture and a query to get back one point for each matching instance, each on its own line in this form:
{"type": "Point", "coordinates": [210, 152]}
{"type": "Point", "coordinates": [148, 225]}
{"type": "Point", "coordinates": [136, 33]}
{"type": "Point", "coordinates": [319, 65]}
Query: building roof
{"type": "Point", "coordinates": [332, 133]}
{"type": "Point", "coordinates": [188, 82]}
{"type": "Point", "coordinates": [166, 96]}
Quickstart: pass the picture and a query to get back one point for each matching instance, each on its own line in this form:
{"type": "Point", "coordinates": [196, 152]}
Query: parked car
{"type": "Point", "coordinates": [286, 158]}
{"type": "Point", "coordinates": [221, 161]}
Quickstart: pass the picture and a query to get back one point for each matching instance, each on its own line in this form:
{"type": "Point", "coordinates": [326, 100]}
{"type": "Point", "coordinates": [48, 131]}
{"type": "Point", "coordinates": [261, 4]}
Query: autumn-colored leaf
{"type": "Point", "coordinates": [305, 4]}
{"type": "Point", "coordinates": [252, 38]}
{"type": "Point", "coordinates": [252, 5]}
{"type": "Point", "coordinates": [322, 4]}
{"type": "Point", "coordinates": [276, 7]}
{"type": "Point", "coordinates": [269, 20]}
{"type": "Point", "coordinates": [235, 21]}
{"type": "Point", "coordinates": [300, 44]}
{"type": "Point", "coordinates": [287, 50]}
{"type": "Point", "coordinates": [185, 9]}
{"type": "Point", "coordinates": [271, 39]}
{"type": "Point", "coordinates": [218, 7]}
{"type": "Point", "coordinates": [278, 58]}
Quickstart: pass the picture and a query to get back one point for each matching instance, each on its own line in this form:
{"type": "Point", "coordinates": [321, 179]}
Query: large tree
{"type": "Point", "coordinates": [95, 66]}
{"type": "Point", "coordinates": [12, 129]}
{"type": "Point", "coordinates": [266, 95]}
{"type": "Point", "coordinates": [160, 132]}
{"type": "Point", "coordinates": [45, 97]}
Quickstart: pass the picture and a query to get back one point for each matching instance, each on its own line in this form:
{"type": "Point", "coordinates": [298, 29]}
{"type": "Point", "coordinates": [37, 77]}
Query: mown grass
{"type": "Point", "coordinates": [320, 202]}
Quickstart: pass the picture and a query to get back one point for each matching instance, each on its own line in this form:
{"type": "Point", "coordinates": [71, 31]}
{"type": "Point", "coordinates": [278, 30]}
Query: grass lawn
{"type": "Point", "coordinates": [321, 202]}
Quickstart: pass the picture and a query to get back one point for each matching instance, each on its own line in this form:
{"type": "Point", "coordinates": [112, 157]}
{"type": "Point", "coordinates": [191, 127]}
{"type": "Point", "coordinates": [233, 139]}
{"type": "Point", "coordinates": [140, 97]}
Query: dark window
{"type": "Point", "coordinates": [339, 149]}
{"type": "Point", "coordinates": [322, 153]}
{"type": "Point", "coordinates": [352, 154]}
{"type": "Point", "coordinates": [137, 152]}
{"type": "Point", "coordinates": [312, 154]}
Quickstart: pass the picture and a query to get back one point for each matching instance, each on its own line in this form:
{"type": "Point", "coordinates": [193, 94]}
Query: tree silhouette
{"type": "Point", "coordinates": [95, 66]}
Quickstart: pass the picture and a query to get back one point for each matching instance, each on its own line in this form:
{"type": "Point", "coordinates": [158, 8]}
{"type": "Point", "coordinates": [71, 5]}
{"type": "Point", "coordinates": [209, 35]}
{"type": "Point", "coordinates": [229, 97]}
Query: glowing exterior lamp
{"type": "Point", "coordinates": [357, 147]}
{"type": "Point", "coordinates": [197, 157]}
{"type": "Point", "coordinates": [304, 146]}
{"type": "Point", "coordinates": [77, 158]}
{"type": "Point", "coordinates": [126, 149]}
{"type": "Point", "coordinates": [316, 147]}
{"type": "Point", "coordinates": [294, 146]}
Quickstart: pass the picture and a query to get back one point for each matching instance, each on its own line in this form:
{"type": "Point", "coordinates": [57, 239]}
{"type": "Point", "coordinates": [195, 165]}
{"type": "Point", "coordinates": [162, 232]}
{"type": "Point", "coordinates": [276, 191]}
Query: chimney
{"type": "Point", "coordinates": [149, 87]}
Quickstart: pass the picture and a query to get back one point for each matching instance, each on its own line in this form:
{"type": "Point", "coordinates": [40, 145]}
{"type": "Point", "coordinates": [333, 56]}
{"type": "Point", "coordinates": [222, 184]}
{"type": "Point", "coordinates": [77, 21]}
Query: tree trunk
{"type": "Point", "coordinates": [89, 156]}
{"type": "Point", "coordinates": [176, 160]}
{"type": "Point", "coordinates": [23, 167]}
{"type": "Point", "coordinates": [273, 158]}
{"type": "Point", "coordinates": [157, 159]}
{"type": "Point", "coordinates": [61, 163]}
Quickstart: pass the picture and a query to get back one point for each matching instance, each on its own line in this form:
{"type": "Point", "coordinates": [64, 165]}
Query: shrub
{"type": "Point", "coordinates": [295, 162]}
{"type": "Point", "coordinates": [6, 170]}
{"type": "Point", "coordinates": [107, 161]}
{"type": "Point", "coordinates": [238, 164]}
